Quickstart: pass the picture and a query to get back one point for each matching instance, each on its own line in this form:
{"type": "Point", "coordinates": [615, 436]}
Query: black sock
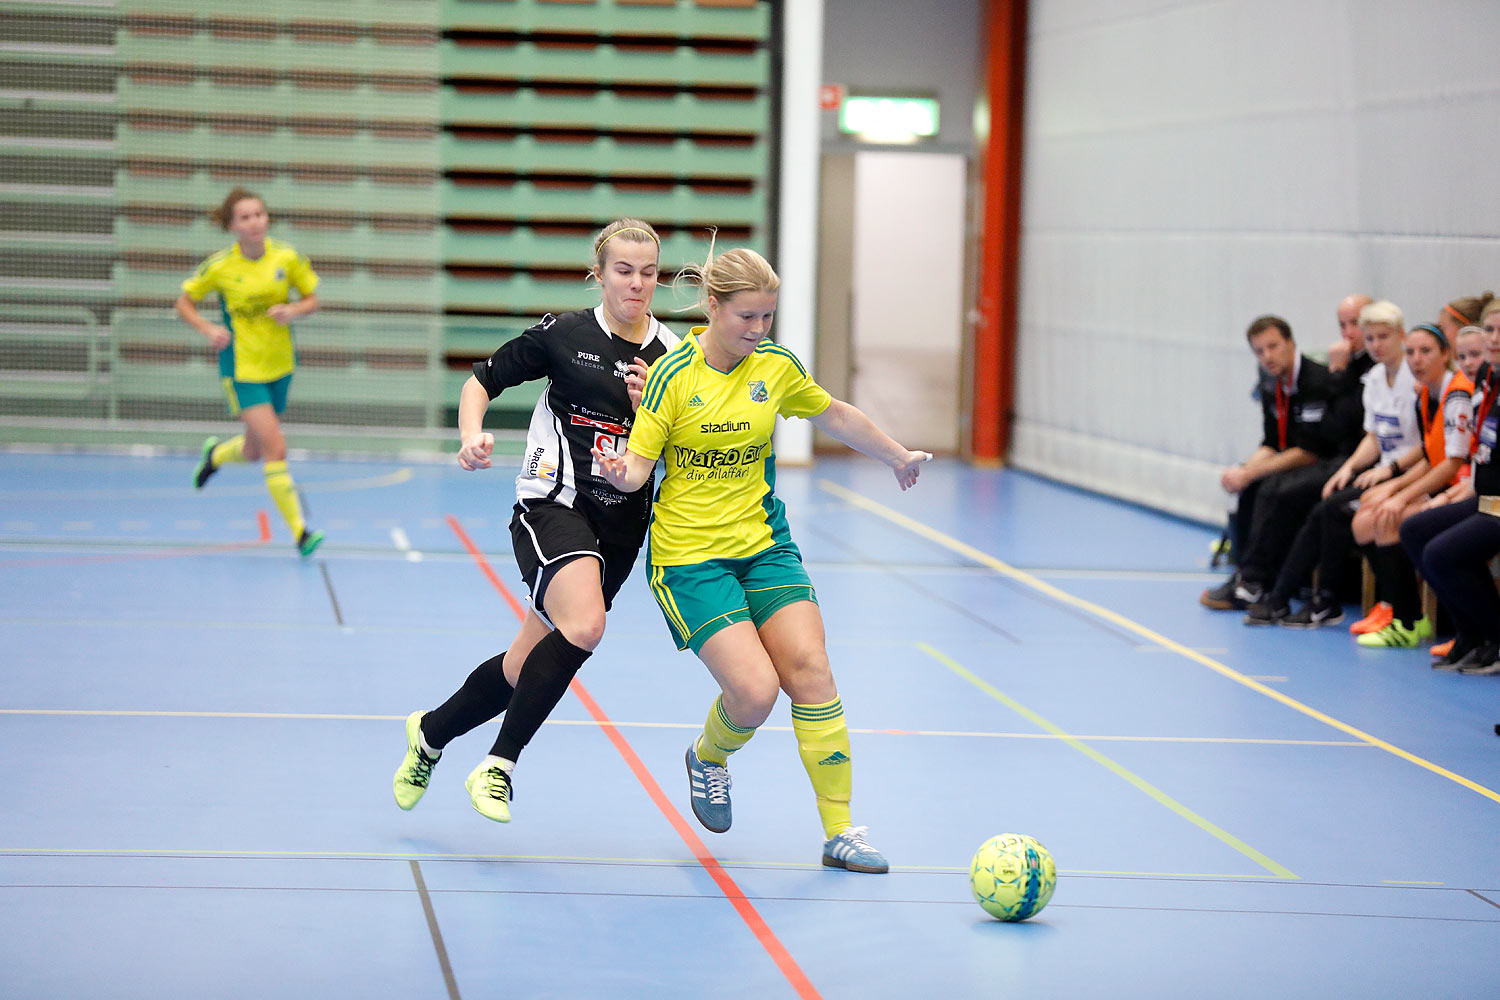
{"type": "Point", "coordinates": [1371, 552]}
{"type": "Point", "coordinates": [1397, 573]}
{"type": "Point", "coordinates": [485, 694]}
{"type": "Point", "coordinates": [544, 680]}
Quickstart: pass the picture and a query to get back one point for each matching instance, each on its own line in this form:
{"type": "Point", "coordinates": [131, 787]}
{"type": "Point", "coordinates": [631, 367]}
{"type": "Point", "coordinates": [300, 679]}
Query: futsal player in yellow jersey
{"type": "Point", "coordinates": [723, 566]}
{"type": "Point", "coordinates": [254, 280]}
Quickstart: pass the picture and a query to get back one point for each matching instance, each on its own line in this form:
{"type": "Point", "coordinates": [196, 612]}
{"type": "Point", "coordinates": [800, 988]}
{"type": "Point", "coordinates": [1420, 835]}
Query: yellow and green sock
{"type": "Point", "coordinates": [284, 492]}
{"type": "Point", "coordinates": [224, 452]}
{"type": "Point", "coordinates": [720, 737]}
{"type": "Point", "coordinates": [823, 744]}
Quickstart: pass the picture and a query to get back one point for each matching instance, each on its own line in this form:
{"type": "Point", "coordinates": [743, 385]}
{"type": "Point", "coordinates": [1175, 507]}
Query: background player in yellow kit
{"type": "Point", "coordinates": [723, 566]}
{"type": "Point", "coordinates": [254, 279]}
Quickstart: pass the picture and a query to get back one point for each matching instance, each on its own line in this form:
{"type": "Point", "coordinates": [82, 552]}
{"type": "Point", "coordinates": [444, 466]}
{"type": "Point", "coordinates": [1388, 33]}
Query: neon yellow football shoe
{"type": "Point", "coordinates": [416, 769]}
{"type": "Point", "coordinates": [1393, 636]}
{"type": "Point", "coordinates": [490, 791]}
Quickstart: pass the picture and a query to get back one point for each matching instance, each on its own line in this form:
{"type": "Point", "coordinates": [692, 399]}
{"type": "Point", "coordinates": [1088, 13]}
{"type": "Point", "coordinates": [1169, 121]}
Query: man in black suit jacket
{"type": "Point", "coordinates": [1306, 423]}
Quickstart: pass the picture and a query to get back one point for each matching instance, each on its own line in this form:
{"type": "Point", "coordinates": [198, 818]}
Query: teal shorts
{"type": "Point", "coordinates": [243, 395]}
{"type": "Point", "coordinates": [701, 598]}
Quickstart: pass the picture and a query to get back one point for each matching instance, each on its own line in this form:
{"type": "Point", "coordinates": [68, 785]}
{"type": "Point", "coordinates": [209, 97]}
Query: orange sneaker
{"type": "Point", "coordinates": [1379, 617]}
{"type": "Point", "coordinates": [1442, 649]}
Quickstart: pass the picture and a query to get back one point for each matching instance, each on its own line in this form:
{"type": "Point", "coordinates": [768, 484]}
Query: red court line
{"type": "Point", "coordinates": [731, 890]}
{"type": "Point", "coordinates": [265, 536]}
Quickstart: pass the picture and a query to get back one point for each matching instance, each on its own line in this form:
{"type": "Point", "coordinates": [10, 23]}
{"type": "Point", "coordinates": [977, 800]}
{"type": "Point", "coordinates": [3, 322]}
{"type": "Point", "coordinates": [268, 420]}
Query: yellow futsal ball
{"type": "Point", "coordinates": [1012, 876]}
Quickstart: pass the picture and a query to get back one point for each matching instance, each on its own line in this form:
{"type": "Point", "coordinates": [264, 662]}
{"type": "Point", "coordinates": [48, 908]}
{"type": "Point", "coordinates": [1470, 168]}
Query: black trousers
{"type": "Point", "coordinates": [1280, 508]}
{"type": "Point", "coordinates": [1452, 546]}
{"type": "Point", "coordinates": [1324, 543]}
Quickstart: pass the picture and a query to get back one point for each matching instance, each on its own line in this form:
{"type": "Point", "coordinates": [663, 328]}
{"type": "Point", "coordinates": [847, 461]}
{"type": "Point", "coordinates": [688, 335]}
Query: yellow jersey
{"type": "Point", "coordinates": [717, 499]}
{"type": "Point", "coordinates": [260, 349]}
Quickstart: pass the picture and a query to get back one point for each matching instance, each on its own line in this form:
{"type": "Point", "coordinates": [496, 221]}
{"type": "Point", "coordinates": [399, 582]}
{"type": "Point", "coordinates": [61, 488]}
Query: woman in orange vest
{"type": "Point", "coordinates": [1445, 409]}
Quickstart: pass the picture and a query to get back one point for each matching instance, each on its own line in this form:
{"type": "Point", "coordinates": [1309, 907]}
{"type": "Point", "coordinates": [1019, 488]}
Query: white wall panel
{"type": "Point", "coordinates": [1192, 165]}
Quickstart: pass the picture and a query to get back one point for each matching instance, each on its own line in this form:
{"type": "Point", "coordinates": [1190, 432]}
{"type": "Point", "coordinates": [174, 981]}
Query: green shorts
{"type": "Point", "coordinates": [243, 395]}
{"type": "Point", "coordinates": [701, 598]}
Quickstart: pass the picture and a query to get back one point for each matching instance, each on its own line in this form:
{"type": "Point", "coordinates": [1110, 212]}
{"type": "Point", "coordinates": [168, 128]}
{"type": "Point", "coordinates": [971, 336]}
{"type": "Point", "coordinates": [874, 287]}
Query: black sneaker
{"type": "Point", "coordinates": [1481, 661]}
{"type": "Point", "coordinates": [1450, 660]}
{"type": "Point", "coordinates": [1319, 611]}
{"type": "Point", "coordinates": [1267, 612]}
{"type": "Point", "coordinates": [1234, 594]}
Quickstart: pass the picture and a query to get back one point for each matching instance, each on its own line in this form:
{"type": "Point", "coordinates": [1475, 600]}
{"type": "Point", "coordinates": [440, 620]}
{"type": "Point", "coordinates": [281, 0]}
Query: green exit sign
{"type": "Point", "coordinates": [889, 119]}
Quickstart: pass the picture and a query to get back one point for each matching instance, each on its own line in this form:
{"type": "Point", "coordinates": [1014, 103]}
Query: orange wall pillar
{"type": "Point", "coordinates": [999, 246]}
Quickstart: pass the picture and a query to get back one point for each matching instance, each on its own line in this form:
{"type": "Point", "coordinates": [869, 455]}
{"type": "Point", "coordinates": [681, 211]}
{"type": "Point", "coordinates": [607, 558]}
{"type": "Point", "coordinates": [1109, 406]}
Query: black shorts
{"type": "Point", "coordinates": [547, 535]}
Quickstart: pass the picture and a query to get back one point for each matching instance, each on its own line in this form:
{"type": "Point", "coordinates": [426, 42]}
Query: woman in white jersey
{"type": "Point", "coordinates": [723, 566]}
{"type": "Point", "coordinates": [575, 537]}
{"type": "Point", "coordinates": [1445, 406]}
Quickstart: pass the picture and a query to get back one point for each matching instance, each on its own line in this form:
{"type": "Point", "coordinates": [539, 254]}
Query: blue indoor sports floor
{"type": "Point", "coordinates": [200, 731]}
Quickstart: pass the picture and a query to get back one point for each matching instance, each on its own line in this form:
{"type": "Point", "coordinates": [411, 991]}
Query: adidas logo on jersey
{"type": "Point", "coordinates": [835, 758]}
{"type": "Point", "coordinates": [695, 401]}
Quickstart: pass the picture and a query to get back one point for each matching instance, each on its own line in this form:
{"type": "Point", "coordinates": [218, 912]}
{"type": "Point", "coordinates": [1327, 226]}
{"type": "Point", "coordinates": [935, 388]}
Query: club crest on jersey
{"type": "Point", "coordinates": [758, 393]}
{"type": "Point", "coordinates": [280, 274]}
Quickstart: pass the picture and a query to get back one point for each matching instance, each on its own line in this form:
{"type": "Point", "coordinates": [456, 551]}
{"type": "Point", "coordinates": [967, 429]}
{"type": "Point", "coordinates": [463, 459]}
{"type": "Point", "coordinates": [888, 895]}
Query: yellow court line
{"type": "Point", "coordinates": [1020, 576]}
{"type": "Point", "coordinates": [153, 713]}
{"type": "Point", "coordinates": [1217, 832]}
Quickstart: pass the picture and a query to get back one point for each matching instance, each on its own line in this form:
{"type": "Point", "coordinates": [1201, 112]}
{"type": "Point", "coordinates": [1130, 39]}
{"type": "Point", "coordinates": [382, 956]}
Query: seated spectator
{"type": "Point", "coordinates": [1452, 544]}
{"type": "Point", "coordinates": [1445, 409]}
{"type": "Point", "coordinates": [1310, 421]}
{"type": "Point", "coordinates": [1351, 342]}
{"type": "Point", "coordinates": [1391, 430]}
{"type": "Point", "coordinates": [1463, 312]}
{"type": "Point", "coordinates": [1469, 352]}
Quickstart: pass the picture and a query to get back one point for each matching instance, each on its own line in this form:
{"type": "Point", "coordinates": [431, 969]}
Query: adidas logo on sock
{"type": "Point", "coordinates": [695, 401]}
{"type": "Point", "coordinates": [837, 757]}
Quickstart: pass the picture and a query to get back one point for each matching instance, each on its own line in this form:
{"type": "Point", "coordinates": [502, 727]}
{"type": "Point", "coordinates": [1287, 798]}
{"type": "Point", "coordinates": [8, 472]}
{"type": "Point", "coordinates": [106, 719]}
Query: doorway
{"type": "Point", "coordinates": [891, 279]}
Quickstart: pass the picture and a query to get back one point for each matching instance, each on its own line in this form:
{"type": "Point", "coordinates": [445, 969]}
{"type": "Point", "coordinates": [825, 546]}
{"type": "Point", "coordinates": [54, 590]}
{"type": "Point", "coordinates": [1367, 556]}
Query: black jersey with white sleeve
{"type": "Point", "coordinates": [585, 405]}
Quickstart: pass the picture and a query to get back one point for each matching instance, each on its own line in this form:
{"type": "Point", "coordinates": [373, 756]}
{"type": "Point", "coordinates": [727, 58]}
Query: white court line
{"type": "Point", "coordinates": [220, 854]}
{"type": "Point", "coordinates": [329, 716]}
{"type": "Point", "coordinates": [398, 537]}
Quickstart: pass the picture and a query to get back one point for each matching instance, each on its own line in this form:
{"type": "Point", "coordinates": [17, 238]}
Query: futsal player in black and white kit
{"type": "Point", "coordinates": [575, 536]}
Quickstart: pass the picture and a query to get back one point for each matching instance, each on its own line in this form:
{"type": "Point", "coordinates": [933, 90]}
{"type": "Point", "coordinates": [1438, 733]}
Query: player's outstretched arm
{"type": "Point", "coordinates": [848, 423]}
{"type": "Point", "coordinates": [626, 473]}
{"type": "Point", "coordinates": [476, 446]}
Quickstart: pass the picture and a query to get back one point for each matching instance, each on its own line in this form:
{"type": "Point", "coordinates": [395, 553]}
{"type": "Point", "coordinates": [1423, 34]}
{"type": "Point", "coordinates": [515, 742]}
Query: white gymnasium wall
{"type": "Point", "coordinates": [1190, 165]}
